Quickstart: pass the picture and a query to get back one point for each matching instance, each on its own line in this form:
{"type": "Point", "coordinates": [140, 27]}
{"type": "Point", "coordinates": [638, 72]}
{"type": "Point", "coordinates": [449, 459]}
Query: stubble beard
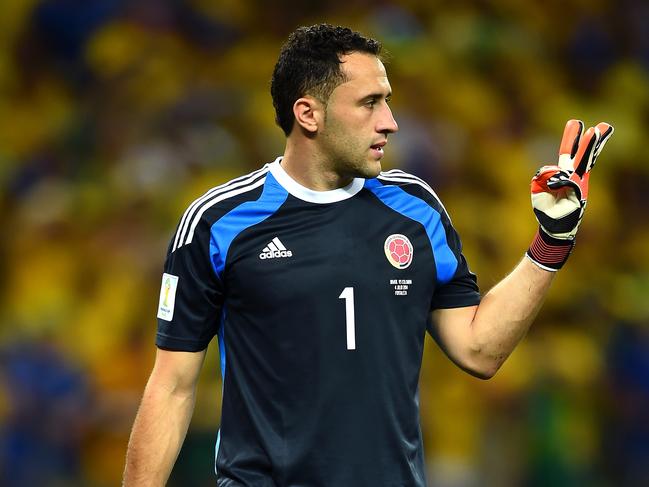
{"type": "Point", "coordinates": [356, 166]}
{"type": "Point", "coordinates": [353, 160]}
{"type": "Point", "coordinates": [348, 157]}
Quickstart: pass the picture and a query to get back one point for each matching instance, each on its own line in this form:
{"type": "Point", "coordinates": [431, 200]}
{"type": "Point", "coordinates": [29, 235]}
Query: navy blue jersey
{"type": "Point", "coordinates": [320, 302]}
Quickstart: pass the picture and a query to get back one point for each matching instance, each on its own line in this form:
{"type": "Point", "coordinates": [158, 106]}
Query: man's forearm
{"type": "Point", "coordinates": [506, 312]}
{"type": "Point", "coordinates": [158, 433]}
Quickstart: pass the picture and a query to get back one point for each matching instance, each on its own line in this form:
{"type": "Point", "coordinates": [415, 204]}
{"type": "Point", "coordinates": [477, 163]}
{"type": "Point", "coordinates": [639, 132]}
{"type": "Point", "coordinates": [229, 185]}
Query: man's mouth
{"type": "Point", "coordinates": [379, 146]}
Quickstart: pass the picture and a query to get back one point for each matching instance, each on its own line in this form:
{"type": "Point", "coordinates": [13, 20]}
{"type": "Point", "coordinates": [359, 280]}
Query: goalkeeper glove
{"type": "Point", "coordinates": [559, 193]}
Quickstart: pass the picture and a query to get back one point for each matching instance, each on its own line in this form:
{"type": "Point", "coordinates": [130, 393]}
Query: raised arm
{"type": "Point", "coordinates": [163, 418]}
{"type": "Point", "coordinates": [480, 338]}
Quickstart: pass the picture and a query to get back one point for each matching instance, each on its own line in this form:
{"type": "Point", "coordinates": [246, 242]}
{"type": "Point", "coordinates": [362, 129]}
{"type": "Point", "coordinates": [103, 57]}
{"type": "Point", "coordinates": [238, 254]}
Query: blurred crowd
{"type": "Point", "coordinates": [116, 114]}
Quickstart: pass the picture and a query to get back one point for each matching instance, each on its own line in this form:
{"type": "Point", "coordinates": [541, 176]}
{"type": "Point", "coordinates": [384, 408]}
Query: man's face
{"type": "Point", "coordinates": [358, 118]}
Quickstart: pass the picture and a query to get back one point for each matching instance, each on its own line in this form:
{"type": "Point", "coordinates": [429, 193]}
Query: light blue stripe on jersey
{"type": "Point", "coordinates": [226, 228]}
{"type": "Point", "coordinates": [216, 451]}
{"type": "Point", "coordinates": [221, 336]}
{"type": "Point", "coordinates": [417, 209]}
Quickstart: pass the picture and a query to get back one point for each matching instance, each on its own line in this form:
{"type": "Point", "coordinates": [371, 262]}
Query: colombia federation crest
{"type": "Point", "coordinates": [398, 250]}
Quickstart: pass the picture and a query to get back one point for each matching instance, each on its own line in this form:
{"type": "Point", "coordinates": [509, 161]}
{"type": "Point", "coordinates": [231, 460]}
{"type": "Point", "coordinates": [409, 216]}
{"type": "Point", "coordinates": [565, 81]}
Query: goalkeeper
{"type": "Point", "coordinates": [319, 272]}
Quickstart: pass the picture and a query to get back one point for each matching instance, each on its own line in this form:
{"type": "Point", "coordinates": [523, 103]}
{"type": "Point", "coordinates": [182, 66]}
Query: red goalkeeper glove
{"type": "Point", "coordinates": [559, 193]}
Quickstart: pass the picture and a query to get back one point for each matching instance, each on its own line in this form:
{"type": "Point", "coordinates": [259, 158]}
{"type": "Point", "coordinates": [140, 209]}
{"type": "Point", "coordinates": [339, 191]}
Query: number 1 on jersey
{"type": "Point", "coordinates": [350, 322]}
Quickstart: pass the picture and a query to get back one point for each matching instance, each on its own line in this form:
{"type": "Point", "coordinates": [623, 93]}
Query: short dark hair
{"type": "Point", "coordinates": [309, 64]}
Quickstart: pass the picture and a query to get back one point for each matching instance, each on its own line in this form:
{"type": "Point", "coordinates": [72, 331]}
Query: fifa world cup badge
{"type": "Point", "coordinates": [167, 297]}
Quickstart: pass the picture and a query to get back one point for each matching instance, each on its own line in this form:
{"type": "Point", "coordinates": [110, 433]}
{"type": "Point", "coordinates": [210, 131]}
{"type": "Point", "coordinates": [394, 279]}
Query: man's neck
{"type": "Point", "coordinates": [311, 170]}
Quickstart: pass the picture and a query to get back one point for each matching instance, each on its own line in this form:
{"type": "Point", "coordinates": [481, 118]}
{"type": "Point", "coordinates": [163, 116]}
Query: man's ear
{"type": "Point", "coordinates": [308, 113]}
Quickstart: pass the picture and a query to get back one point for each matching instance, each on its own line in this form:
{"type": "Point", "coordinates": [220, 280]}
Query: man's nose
{"type": "Point", "coordinates": [387, 124]}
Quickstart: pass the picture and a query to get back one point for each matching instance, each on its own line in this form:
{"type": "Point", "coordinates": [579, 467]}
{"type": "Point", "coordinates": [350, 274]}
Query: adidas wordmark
{"type": "Point", "coordinates": [275, 249]}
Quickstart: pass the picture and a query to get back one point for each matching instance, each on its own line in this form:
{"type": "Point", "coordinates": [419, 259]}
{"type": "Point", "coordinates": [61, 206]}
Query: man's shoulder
{"type": "Point", "coordinates": [411, 185]}
{"type": "Point", "coordinates": [202, 212]}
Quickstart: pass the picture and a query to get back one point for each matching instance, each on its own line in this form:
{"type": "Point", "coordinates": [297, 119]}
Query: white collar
{"type": "Point", "coordinates": [306, 194]}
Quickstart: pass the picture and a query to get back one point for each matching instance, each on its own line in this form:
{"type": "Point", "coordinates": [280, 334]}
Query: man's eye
{"type": "Point", "coordinates": [370, 103]}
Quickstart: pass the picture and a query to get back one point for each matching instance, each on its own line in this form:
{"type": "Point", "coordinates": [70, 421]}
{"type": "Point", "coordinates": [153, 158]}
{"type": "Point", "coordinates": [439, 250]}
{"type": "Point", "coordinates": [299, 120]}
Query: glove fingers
{"type": "Point", "coordinates": [584, 157]}
{"type": "Point", "coordinates": [563, 180]}
{"type": "Point", "coordinates": [570, 142]}
{"type": "Point", "coordinates": [583, 185]}
{"type": "Point", "coordinates": [540, 179]}
{"type": "Point", "coordinates": [606, 130]}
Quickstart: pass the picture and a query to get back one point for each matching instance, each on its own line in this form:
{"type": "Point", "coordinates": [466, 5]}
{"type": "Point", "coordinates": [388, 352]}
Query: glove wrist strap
{"type": "Point", "coordinates": [548, 252]}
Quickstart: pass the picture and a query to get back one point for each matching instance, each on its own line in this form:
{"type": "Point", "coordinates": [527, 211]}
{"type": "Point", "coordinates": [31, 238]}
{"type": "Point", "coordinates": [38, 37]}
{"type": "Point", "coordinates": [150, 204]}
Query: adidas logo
{"type": "Point", "coordinates": [275, 249]}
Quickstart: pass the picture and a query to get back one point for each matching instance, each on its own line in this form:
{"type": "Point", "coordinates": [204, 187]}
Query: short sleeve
{"type": "Point", "coordinates": [462, 289]}
{"type": "Point", "coordinates": [191, 296]}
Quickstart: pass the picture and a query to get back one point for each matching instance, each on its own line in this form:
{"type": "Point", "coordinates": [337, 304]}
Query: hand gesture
{"type": "Point", "coordinates": [560, 192]}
